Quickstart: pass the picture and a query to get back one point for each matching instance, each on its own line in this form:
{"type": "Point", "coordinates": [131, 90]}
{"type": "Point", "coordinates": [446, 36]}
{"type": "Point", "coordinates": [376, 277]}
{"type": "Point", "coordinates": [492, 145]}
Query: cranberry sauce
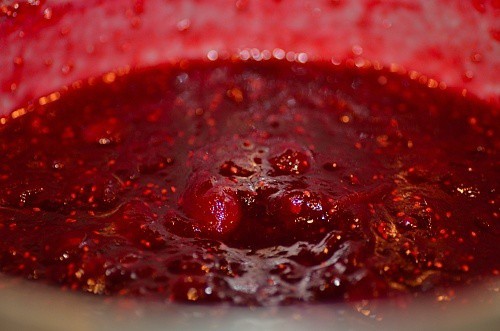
{"type": "Point", "coordinates": [253, 183]}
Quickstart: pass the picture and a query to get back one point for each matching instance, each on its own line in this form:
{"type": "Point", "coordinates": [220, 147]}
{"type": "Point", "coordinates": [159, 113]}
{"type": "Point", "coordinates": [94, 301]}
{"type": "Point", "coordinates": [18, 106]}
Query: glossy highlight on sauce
{"type": "Point", "coordinates": [254, 183]}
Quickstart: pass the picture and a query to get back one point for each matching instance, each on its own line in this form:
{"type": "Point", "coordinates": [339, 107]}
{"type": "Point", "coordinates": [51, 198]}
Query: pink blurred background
{"type": "Point", "coordinates": [45, 45]}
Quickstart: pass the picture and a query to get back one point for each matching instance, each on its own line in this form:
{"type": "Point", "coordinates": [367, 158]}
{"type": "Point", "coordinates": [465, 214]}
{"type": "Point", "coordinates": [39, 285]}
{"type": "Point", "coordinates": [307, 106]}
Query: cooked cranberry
{"type": "Point", "coordinates": [290, 162]}
{"type": "Point", "coordinates": [302, 210]}
{"type": "Point", "coordinates": [215, 208]}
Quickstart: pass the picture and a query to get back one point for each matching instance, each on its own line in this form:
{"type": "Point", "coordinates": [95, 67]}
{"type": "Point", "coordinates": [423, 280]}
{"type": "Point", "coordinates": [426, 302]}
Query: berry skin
{"type": "Point", "coordinates": [300, 210]}
{"type": "Point", "coordinates": [215, 208]}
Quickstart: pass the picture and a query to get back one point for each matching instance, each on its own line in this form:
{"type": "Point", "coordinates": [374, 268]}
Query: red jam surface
{"type": "Point", "coordinates": [251, 183]}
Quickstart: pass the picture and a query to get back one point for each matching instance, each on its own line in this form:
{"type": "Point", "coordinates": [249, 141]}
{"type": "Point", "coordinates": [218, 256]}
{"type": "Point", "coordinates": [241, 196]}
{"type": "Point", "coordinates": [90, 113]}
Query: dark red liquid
{"type": "Point", "coordinates": [252, 182]}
